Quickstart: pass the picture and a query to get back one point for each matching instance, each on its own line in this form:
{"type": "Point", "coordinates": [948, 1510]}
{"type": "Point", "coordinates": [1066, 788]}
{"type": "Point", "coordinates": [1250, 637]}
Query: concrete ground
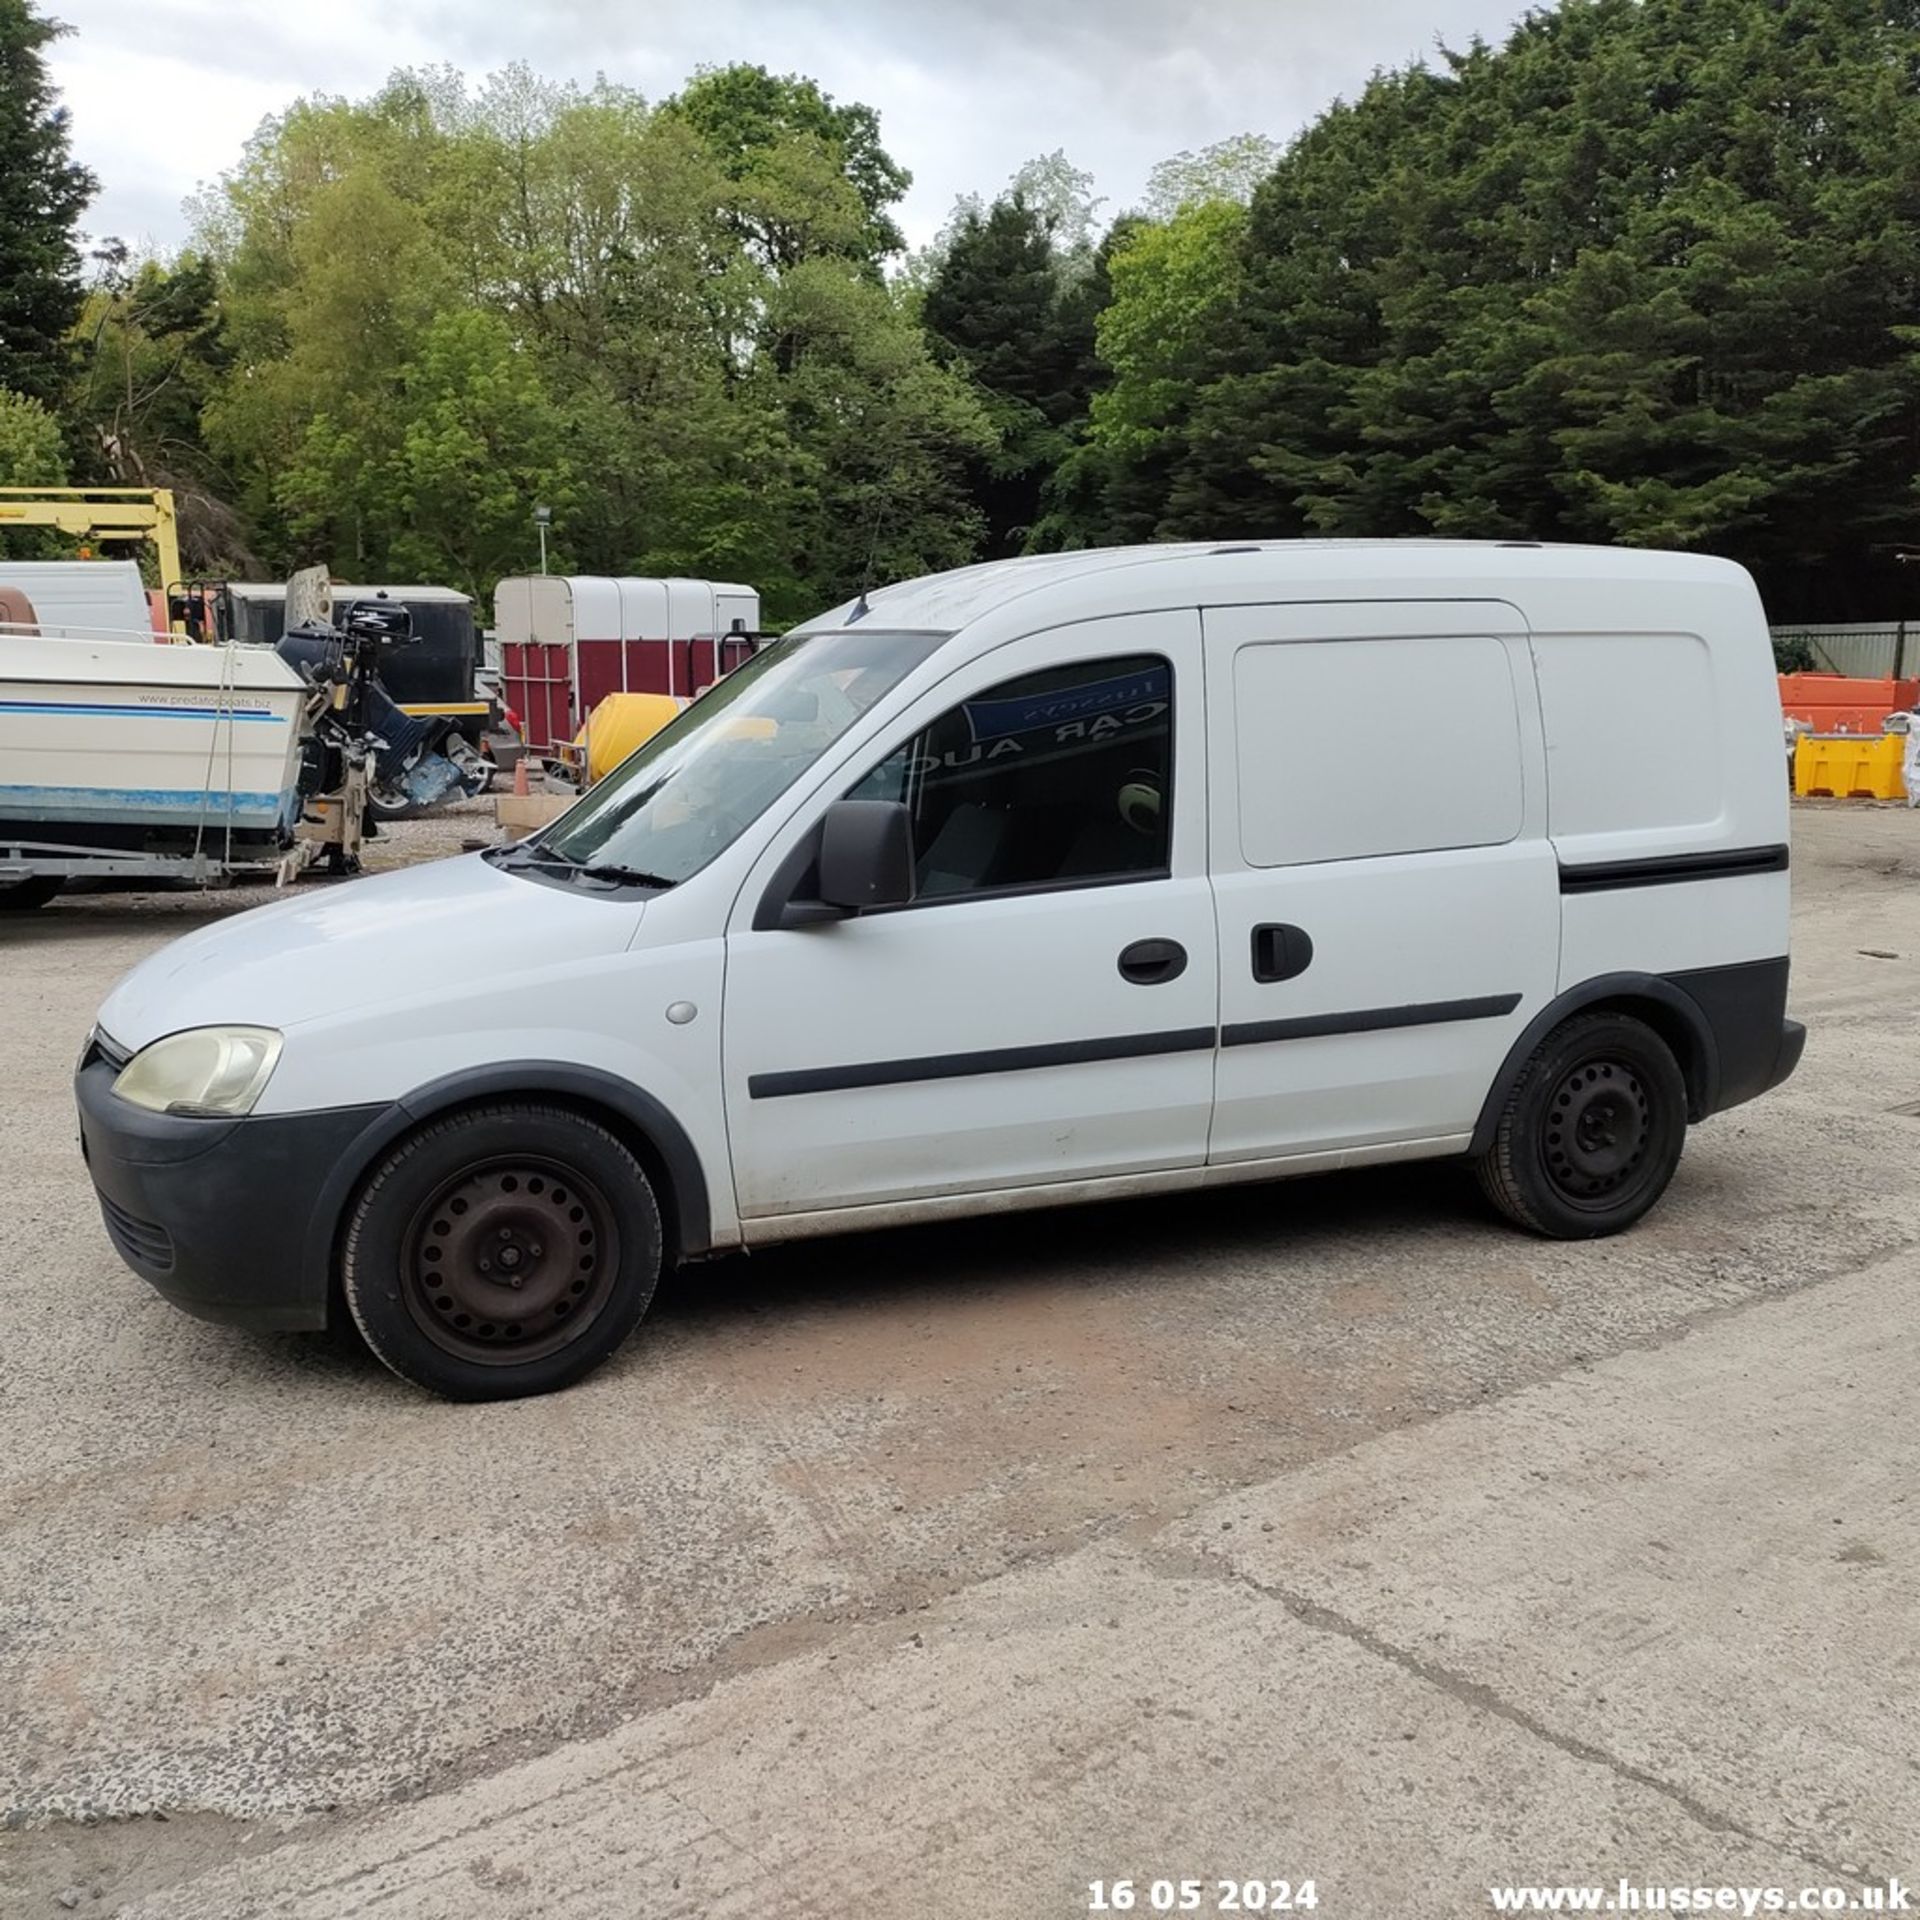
{"type": "Point", "coordinates": [1327, 1530]}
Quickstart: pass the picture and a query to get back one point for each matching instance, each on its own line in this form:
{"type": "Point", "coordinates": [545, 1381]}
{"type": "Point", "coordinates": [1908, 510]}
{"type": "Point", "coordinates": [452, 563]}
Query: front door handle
{"type": "Point", "coordinates": [1280, 952]}
{"type": "Point", "coordinates": [1150, 963]}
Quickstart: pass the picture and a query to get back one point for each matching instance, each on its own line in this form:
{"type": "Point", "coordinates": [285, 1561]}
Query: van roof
{"type": "Point", "coordinates": [1204, 572]}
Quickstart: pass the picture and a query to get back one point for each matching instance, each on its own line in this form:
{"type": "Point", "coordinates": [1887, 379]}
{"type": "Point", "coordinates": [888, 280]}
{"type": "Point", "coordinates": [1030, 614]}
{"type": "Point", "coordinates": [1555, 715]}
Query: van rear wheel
{"type": "Point", "coordinates": [502, 1252]}
{"type": "Point", "coordinates": [1592, 1131]}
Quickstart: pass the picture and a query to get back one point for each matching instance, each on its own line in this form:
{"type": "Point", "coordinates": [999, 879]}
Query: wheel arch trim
{"type": "Point", "coordinates": [635, 1111]}
{"type": "Point", "coordinates": [1638, 994]}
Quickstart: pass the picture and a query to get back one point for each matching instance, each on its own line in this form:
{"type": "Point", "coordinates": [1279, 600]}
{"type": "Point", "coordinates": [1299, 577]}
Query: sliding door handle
{"type": "Point", "coordinates": [1280, 951]}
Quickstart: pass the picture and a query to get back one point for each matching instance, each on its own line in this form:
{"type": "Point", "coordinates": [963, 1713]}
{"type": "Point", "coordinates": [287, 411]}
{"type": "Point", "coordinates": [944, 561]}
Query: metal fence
{"type": "Point", "coordinates": [1889, 648]}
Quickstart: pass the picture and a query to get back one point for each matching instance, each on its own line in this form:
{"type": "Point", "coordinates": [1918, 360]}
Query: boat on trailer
{"type": "Point", "coordinates": [122, 757]}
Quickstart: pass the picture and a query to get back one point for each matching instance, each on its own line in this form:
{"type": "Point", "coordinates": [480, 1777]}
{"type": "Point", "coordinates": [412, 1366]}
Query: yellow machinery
{"type": "Point", "coordinates": [115, 513]}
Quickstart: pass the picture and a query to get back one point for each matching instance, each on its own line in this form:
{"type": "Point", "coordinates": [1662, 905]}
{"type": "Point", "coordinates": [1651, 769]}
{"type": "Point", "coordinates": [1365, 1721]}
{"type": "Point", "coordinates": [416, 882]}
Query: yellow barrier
{"type": "Point", "coordinates": [1850, 765]}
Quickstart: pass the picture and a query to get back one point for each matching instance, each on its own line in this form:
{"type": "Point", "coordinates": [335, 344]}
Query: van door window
{"type": "Point", "coordinates": [1058, 778]}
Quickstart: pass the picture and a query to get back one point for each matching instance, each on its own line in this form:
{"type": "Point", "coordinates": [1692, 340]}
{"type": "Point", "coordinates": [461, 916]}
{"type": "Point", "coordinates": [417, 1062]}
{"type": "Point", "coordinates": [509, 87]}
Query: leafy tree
{"type": "Point", "coordinates": [1175, 284]}
{"type": "Point", "coordinates": [1062, 196]}
{"type": "Point", "coordinates": [877, 436]}
{"type": "Point", "coordinates": [32, 454]}
{"type": "Point", "coordinates": [149, 355]}
{"type": "Point", "coordinates": [42, 195]}
{"type": "Point", "coordinates": [811, 176]}
{"type": "Point", "coordinates": [443, 304]}
{"type": "Point", "coordinates": [438, 483]}
{"type": "Point", "coordinates": [32, 450]}
{"type": "Point", "coordinates": [1228, 170]}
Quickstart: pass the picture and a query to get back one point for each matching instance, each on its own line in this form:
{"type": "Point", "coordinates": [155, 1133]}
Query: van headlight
{"type": "Point", "coordinates": [206, 1070]}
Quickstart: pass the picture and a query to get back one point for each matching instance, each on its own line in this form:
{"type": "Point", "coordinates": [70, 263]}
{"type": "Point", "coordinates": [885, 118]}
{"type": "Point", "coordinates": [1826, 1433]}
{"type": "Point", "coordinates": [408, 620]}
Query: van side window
{"type": "Point", "coordinates": [1057, 778]}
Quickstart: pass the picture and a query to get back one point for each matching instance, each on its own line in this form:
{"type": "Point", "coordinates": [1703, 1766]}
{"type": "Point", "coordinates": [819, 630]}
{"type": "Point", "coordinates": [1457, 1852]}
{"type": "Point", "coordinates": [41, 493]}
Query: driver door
{"type": "Point", "coordinates": [1045, 1009]}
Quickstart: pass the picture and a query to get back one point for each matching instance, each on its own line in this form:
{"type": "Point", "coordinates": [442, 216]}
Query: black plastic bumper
{"type": "Point", "coordinates": [219, 1216]}
{"type": "Point", "coordinates": [1755, 1045]}
{"type": "Point", "coordinates": [1793, 1043]}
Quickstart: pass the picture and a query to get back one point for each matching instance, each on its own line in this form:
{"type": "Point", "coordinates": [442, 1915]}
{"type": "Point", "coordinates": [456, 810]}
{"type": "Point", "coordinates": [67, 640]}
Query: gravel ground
{"type": "Point", "coordinates": [258, 1598]}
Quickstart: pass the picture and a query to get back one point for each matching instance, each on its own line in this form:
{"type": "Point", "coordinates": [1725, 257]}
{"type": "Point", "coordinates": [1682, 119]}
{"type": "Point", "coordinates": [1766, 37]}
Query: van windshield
{"type": "Point", "coordinates": [684, 797]}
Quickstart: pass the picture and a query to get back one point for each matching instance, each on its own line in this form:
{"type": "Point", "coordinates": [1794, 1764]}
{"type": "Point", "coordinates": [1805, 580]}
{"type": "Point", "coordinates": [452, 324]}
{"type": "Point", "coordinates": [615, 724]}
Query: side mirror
{"type": "Point", "coordinates": [866, 855]}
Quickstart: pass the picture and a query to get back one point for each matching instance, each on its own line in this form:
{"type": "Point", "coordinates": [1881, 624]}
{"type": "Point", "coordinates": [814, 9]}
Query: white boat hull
{"type": "Point", "coordinates": [125, 744]}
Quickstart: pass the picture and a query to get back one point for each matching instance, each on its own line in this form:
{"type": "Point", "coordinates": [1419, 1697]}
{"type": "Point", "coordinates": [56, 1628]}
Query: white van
{"type": "Point", "coordinates": [1057, 879]}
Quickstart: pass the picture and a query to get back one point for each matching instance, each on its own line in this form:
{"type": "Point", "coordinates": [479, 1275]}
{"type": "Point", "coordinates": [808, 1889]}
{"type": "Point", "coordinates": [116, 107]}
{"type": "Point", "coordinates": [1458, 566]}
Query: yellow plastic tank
{"type": "Point", "coordinates": [619, 724]}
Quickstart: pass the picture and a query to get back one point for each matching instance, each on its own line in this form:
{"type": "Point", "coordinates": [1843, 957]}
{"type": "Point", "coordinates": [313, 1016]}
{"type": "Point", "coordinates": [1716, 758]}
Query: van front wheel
{"type": "Point", "coordinates": [1592, 1131]}
{"type": "Point", "coordinates": [502, 1252]}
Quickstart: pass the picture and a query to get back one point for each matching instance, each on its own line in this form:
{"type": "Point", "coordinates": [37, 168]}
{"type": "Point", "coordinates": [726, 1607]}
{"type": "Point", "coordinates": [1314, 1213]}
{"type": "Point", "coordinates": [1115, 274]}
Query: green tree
{"type": "Point", "coordinates": [1643, 273]}
{"type": "Point", "coordinates": [32, 450]}
{"type": "Point", "coordinates": [148, 357]}
{"type": "Point", "coordinates": [437, 483]}
{"type": "Point", "coordinates": [810, 176]}
{"type": "Point", "coordinates": [42, 195]}
{"type": "Point", "coordinates": [877, 440]}
{"type": "Point", "coordinates": [1062, 197]}
{"type": "Point", "coordinates": [1017, 316]}
{"type": "Point", "coordinates": [1174, 288]}
{"type": "Point", "coordinates": [444, 304]}
{"type": "Point", "coordinates": [32, 454]}
{"type": "Point", "coordinates": [1228, 170]}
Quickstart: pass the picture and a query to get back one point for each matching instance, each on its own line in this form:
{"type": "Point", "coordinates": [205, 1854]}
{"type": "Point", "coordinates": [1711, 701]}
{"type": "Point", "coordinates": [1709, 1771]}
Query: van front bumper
{"type": "Point", "coordinates": [218, 1216]}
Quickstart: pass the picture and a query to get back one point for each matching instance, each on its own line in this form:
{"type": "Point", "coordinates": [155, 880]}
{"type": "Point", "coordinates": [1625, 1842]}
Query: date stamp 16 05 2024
{"type": "Point", "coordinates": [1209, 1894]}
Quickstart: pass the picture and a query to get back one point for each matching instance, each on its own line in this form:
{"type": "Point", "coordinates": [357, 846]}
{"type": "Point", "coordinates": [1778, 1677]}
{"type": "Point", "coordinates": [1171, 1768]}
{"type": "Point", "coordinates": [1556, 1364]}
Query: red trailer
{"type": "Point", "coordinates": [568, 640]}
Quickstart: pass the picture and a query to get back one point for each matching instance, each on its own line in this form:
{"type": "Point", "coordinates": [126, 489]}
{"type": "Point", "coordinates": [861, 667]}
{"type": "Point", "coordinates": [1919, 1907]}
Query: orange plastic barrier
{"type": "Point", "coordinates": [1834, 703]}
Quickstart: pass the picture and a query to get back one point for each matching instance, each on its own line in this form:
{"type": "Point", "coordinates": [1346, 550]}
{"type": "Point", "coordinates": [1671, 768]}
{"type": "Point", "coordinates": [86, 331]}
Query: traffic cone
{"type": "Point", "coordinates": [520, 787]}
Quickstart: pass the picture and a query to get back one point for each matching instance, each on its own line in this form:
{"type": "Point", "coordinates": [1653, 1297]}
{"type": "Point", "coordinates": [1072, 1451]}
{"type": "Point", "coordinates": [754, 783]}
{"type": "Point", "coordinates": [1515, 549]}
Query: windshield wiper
{"type": "Point", "coordinates": [551, 860]}
{"type": "Point", "coordinates": [523, 853]}
{"type": "Point", "coordinates": [626, 876]}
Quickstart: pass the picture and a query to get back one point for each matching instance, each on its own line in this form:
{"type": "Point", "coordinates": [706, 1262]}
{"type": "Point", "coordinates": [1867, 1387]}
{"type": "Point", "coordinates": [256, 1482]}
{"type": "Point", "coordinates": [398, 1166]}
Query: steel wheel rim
{"type": "Point", "coordinates": [1599, 1129]}
{"type": "Point", "coordinates": [509, 1260]}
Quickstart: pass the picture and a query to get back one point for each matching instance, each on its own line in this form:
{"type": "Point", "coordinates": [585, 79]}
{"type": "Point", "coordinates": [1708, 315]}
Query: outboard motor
{"type": "Point", "coordinates": [406, 767]}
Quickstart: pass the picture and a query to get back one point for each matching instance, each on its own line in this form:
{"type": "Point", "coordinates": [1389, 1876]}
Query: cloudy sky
{"type": "Point", "coordinates": [163, 92]}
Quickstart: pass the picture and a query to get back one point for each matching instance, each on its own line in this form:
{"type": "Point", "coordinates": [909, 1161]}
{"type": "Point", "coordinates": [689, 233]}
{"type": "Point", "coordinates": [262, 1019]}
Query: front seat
{"type": "Point", "coordinates": [1124, 840]}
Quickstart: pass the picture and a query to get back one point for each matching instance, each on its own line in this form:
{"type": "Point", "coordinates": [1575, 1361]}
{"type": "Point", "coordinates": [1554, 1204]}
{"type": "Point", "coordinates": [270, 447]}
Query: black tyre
{"type": "Point", "coordinates": [1591, 1133]}
{"type": "Point", "coordinates": [24, 895]}
{"type": "Point", "coordinates": [502, 1252]}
